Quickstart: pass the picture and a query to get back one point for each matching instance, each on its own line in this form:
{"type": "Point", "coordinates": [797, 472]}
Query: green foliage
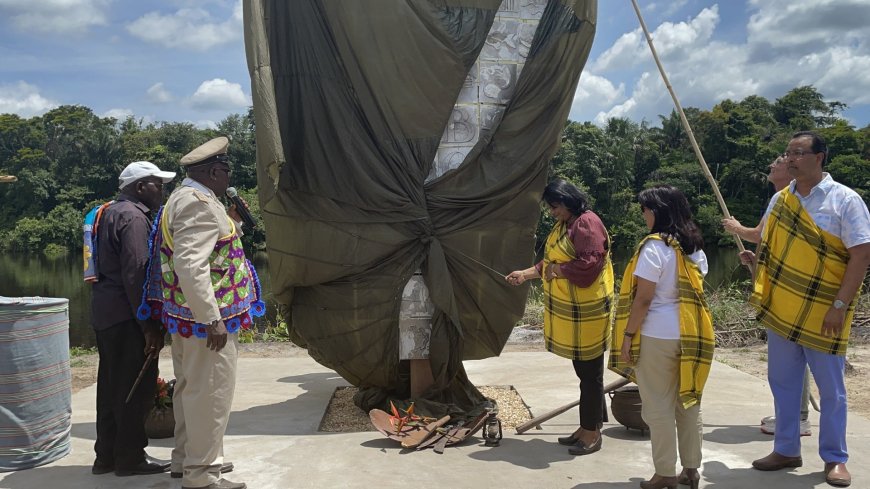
{"type": "Point", "coordinates": [253, 239]}
{"type": "Point", "coordinates": [54, 250]}
{"type": "Point", "coordinates": [61, 227]}
{"type": "Point", "coordinates": [804, 108]}
{"type": "Point", "coordinates": [738, 140]}
{"type": "Point", "coordinates": [69, 158]}
{"type": "Point", "coordinates": [80, 351]}
{"type": "Point", "coordinates": [276, 331]}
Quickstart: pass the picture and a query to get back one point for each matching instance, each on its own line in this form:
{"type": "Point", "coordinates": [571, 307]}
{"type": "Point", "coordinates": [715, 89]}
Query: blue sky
{"type": "Point", "coordinates": [184, 60]}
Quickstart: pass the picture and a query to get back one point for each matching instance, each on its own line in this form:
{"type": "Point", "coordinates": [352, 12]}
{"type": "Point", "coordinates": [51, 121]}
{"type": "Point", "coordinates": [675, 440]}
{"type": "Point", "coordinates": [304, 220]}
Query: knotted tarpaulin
{"type": "Point", "coordinates": [351, 100]}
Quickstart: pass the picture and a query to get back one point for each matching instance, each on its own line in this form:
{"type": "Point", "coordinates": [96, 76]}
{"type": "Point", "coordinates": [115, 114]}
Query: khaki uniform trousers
{"type": "Point", "coordinates": [658, 380]}
{"type": "Point", "coordinates": [205, 383]}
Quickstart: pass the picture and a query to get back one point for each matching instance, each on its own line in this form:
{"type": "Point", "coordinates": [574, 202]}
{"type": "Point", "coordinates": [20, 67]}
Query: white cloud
{"type": "Point", "coordinates": [840, 73]}
{"type": "Point", "coordinates": [595, 91]}
{"type": "Point", "coordinates": [672, 7]}
{"type": "Point", "coordinates": [671, 41]}
{"type": "Point", "coordinates": [23, 99]}
{"type": "Point", "coordinates": [789, 43]}
{"type": "Point", "coordinates": [55, 16]}
{"type": "Point", "coordinates": [219, 94]}
{"type": "Point", "coordinates": [119, 114]}
{"type": "Point", "coordinates": [807, 24]}
{"type": "Point", "coordinates": [157, 93]}
{"type": "Point", "coordinates": [205, 124]}
{"type": "Point", "coordinates": [643, 92]}
{"type": "Point", "coordinates": [188, 28]}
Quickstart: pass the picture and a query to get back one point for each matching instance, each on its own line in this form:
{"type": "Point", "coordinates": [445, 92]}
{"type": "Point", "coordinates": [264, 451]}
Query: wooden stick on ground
{"type": "Point", "coordinates": [538, 421]}
{"type": "Point", "coordinates": [685, 122]}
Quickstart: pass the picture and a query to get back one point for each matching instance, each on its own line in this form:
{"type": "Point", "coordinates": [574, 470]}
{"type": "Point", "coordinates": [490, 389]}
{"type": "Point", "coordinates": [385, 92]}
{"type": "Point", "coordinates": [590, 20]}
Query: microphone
{"type": "Point", "coordinates": [243, 211]}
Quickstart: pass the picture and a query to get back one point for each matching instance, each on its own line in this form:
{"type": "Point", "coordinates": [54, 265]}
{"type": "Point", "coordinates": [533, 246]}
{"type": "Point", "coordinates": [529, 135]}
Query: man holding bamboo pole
{"type": "Point", "coordinates": [813, 255]}
{"type": "Point", "coordinates": [779, 177]}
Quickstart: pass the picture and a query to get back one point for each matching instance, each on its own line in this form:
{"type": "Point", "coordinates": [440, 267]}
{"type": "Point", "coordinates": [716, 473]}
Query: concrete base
{"type": "Point", "coordinates": [273, 440]}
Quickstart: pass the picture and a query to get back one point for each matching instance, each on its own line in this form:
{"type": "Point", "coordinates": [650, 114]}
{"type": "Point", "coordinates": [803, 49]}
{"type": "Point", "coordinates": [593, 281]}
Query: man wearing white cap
{"type": "Point", "coordinates": [123, 341]}
{"type": "Point", "coordinates": [205, 292]}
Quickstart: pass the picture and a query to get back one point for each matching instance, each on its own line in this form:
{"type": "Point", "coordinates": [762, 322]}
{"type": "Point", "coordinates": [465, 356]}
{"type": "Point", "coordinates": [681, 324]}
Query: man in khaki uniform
{"type": "Point", "coordinates": [194, 223]}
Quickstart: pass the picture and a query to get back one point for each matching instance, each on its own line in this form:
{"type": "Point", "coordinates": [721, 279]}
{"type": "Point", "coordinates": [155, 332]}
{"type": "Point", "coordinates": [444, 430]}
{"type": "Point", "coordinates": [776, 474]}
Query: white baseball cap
{"type": "Point", "coordinates": [141, 169]}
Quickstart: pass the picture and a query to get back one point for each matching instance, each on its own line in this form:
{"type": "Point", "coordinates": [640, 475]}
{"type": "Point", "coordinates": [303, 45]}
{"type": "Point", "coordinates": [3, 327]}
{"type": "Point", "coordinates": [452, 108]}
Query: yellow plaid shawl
{"type": "Point", "coordinates": [799, 272]}
{"type": "Point", "coordinates": [576, 320]}
{"type": "Point", "coordinates": [696, 325]}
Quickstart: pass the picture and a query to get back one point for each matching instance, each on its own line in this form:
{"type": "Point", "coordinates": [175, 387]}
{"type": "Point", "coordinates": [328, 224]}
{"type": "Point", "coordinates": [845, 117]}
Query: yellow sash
{"type": "Point", "coordinates": [576, 320]}
{"type": "Point", "coordinates": [696, 325]}
{"type": "Point", "coordinates": [799, 272]}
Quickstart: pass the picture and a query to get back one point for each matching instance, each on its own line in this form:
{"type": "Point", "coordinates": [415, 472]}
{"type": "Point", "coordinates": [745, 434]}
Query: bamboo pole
{"type": "Point", "coordinates": [685, 122]}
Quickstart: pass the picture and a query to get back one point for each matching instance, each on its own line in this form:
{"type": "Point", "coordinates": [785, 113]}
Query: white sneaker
{"type": "Point", "coordinates": [768, 426]}
{"type": "Point", "coordinates": [805, 428]}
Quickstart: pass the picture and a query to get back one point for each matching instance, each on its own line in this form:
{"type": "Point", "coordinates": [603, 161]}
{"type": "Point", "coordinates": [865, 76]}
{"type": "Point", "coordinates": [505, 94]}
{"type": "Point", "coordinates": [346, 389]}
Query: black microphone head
{"type": "Point", "coordinates": [231, 192]}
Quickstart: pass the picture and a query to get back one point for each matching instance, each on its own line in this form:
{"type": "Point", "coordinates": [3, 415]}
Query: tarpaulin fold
{"type": "Point", "coordinates": [351, 100]}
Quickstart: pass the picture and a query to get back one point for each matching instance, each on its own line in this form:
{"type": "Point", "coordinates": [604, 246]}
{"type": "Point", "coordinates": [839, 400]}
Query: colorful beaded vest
{"type": "Point", "coordinates": [234, 280]}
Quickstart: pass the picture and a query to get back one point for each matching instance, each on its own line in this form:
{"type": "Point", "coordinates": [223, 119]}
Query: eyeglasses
{"type": "Point", "coordinates": [797, 153]}
{"type": "Point", "coordinates": [228, 171]}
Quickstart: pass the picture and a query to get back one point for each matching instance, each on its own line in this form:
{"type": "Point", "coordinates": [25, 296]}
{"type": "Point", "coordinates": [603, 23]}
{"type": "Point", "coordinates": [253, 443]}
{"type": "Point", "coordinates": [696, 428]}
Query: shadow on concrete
{"type": "Point", "coordinates": [532, 454]}
{"type": "Point", "coordinates": [734, 434]}
{"type": "Point", "coordinates": [719, 475]}
{"type": "Point", "coordinates": [633, 483]}
{"type": "Point", "coordinates": [382, 443]}
{"type": "Point", "coordinates": [54, 476]}
{"type": "Point", "coordinates": [85, 431]}
{"type": "Point", "coordinates": [300, 415]}
{"type": "Point", "coordinates": [315, 379]}
{"type": "Point", "coordinates": [620, 432]}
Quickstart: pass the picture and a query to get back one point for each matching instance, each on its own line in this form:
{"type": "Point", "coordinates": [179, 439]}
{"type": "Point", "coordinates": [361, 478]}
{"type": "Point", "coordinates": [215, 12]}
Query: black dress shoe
{"type": "Point", "coordinates": [143, 468]}
{"type": "Point", "coordinates": [225, 467]}
{"type": "Point", "coordinates": [157, 461]}
{"type": "Point", "coordinates": [581, 448]}
{"type": "Point", "coordinates": [567, 440]}
{"type": "Point", "coordinates": [100, 467]}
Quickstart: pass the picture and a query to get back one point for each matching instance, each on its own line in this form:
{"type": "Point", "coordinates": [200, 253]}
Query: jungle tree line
{"type": "Point", "coordinates": [738, 139]}
{"type": "Point", "coordinates": [67, 160]}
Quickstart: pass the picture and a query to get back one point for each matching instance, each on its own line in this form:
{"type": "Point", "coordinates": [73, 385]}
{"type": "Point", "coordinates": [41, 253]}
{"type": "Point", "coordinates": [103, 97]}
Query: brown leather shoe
{"type": "Point", "coordinates": [775, 461]}
{"type": "Point", "coordinates": [225, 467]}
{"type": "Point", "coordinates": [221, 484]}
{"type": "Point", "coordinates": [660, 482]}
{"type": "Point", "coordinates": [690, 477]}
{"type": "Point", "coordinates": [837, 475]}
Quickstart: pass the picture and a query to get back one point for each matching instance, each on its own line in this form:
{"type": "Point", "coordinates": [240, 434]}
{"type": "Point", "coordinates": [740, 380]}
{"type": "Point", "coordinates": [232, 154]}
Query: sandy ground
{"type": "Point", "coordinates": [749, 359]}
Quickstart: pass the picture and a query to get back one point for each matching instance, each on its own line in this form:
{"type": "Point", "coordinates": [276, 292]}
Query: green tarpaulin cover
{"type": "Point", "coordinates": [351, 101]}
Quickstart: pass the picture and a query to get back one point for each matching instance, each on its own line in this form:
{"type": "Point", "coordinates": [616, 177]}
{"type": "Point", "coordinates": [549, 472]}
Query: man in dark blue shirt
{"type": "Point", "coordinates": [123, 341]}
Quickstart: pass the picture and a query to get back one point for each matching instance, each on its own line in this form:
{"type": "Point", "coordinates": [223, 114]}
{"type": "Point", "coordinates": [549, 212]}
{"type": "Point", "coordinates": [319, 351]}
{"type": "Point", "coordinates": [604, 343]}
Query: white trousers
{"type": "Point", "coordinates": [205, 383]}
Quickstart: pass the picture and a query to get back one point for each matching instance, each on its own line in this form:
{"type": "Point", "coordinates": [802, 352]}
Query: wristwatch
{"type": "Point", "coordinates": [838, 304]}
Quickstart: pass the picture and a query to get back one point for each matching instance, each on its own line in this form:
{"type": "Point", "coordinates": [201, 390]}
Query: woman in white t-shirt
{"type": "Point", "coordinates": [663, 334]}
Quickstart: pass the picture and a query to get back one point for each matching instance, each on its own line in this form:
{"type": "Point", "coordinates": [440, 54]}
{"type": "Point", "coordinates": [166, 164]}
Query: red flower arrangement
{"type": "Point", "coordinates": [163, 396]}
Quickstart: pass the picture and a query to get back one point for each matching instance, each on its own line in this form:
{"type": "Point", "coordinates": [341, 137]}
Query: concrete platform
{"type": "Point", "coordinates": [273, 439]}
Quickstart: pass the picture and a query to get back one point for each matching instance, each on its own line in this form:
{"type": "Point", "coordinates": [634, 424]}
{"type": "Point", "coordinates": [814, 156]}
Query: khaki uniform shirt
{"type": "Point", "coordinates": [196, 220]}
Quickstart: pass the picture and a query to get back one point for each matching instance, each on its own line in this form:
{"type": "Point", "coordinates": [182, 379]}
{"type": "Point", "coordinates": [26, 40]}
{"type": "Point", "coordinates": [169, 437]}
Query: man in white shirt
{"type": "Point", "coordinates": [842, 221]}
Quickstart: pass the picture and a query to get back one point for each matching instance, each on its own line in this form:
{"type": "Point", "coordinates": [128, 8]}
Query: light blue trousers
{"type": "Point", "coordinates": [786, 361]}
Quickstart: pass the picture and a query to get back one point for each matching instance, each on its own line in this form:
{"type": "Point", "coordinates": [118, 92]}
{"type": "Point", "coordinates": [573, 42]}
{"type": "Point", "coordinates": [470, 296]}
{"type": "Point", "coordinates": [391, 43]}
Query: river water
{"type": "Point", "coordinates": [35, 275]}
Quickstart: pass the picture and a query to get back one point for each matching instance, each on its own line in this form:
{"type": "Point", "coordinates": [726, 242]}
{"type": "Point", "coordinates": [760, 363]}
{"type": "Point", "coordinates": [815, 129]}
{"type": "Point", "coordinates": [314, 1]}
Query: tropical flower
{"type": "Point", "coordinates": [163, 397]}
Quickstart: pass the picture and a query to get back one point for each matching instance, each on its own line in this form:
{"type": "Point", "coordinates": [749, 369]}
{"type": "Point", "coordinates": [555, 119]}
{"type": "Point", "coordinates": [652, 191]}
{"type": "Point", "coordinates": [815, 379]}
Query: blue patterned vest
{"type": "Point", "coordinates": [233, 277]}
